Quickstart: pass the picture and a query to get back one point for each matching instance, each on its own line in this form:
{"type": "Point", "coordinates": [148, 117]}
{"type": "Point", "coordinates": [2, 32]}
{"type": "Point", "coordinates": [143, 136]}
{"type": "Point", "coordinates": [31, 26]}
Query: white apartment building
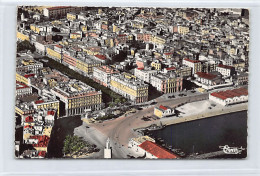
{"type": "Point", "coordinates": [225, 70]}
{"type": "Point", "coordinates": [102, 75]}
{"type": "Point", "coordinates": [144, 75]}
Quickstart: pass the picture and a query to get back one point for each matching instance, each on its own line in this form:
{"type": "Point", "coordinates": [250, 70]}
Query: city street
{"type": "Point", "coordinates": [120, 130]}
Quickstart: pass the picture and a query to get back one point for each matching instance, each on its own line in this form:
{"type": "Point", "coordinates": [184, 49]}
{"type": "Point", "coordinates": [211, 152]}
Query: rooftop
{"type": "Point", "coordinates": [206, 75]}
{"type": "Point", "coordinates": [163, 107]}
{"type": "Point", "coordinates": [157, 150]}
{"type": "Point", "coordinates": [102, 57]}
{"type": "Point", "coordinates": [193, 61]}
{"type": "Point", "coordinates": [230, 93]}
{"type": "Point", "coordinates": [107, 69]}
{"type": "Point", "coordinates": [20, 85]}
{"type": "Point", "coordinates": [225, 66]}
{"type": "Point", "coordinates": [74, 88]}
{"type": "Point", "coordinates": [43, 141]}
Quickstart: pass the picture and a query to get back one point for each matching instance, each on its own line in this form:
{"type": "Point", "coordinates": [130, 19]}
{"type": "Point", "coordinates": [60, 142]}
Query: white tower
{"type": "Point", "coordinates": [22, 17]}
{"type": "Point", "coordinates": [147, 46]}
{"type": "Point", "coordinates": [108, 150]}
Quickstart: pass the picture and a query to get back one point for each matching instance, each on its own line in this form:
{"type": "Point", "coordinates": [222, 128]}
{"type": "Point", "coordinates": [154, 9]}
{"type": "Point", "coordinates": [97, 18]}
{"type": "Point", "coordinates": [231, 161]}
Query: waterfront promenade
{"type": "Point", "coordinates": [204, 113]}
{"type": "Point", "coordinates": [121, 129]}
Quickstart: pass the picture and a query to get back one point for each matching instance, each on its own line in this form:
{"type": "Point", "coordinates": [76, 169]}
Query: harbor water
{"type": "Point", "coordinates": [206, 135]}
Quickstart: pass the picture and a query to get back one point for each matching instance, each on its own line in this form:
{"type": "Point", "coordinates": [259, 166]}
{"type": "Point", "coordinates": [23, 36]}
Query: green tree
{"type": "Point", "coordinates": [25, 45]}
{"type": "Point", "coordinates": [111, 104]}
{"type": "Point", "coordinates": [73, 144]}
{"type": "Point", "coordinates": [117, 100]}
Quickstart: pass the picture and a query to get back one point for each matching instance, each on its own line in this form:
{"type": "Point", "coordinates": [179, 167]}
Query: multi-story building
{"type": "Point", "coordinates": [159, 40]}
{"type": "Point", "coordinates": [47, 103]}
{"type": "Point", "coordinates": [22, 35]}
{"type": "Point", "coordinates": [157, 65]}
{"type": "Point", "coordinates": [40, 47]}
{"type": "Point", "coordinates": [23, 77]}
{"type": "Point", "coordinates": [86, 65]}
{"type": "Point", "coordinates": [183, 71]}
{"type": "Point", "coordinates": [24, 109]}
{"type": "Point", "coordinates": [144, 75]}
{"type": "Point", "coordinates": [194, 64]}
{"type": "Point", "coordinates": [101, 58]}
{"type": "Point", "coordinates": [24, 64]}
{"type": "Point", "coordinates": [39, 123]}
{"type": "Point", "coordinates": [22, 89]}
{"type": "Point", "coordinates": [60, 11]}
{"type": "Point", "coordinates": [78, 97]}
{"type": "Point", "coordinates": [208, 79]}
{"type": "Point", "coordinates": [225, 70]}
{"type": "Point", "coordinates": [102, 74]}
{"type": "Point", "coordinates": [76, 35]}
{"type": "Point", "coordinates": [167, 83]}
{"type": "Point", "coordinates": [183, 30]}
{"type": "Point", "coordinates": [69, 60]}
{"type": "Point", "coordinates": [130, 87]}
{"type": "Point", "coordinates": [71, 16]}
{"type": "Point", "coordinates": [52, 52]}
{"type": "Point", "coordinates": [241, 78]}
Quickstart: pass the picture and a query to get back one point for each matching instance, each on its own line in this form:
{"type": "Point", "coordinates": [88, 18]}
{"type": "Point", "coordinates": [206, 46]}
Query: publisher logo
{"type": "Point", "coordinates": [231, 150]}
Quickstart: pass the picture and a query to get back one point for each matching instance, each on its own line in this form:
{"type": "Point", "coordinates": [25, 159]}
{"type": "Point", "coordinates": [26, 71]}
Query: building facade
{"type": "Point", "coordinates": [167, 83]}
{"type": "Point", "coordinates": [130, 87]}
{"type": "Point", "coordinates": [102, 75]}
{"type": "Point", "coordinates": [22, 89]}
{"type": "Point", "coordinates": [194, 64]}
{"type": "Point", "coordinates": [60, 11]}
{"type": "Point", "coordinates": [78, 97]}
{"type": "Point", "coordinates": [225, 70]}
{"type": "Point", "coordinates": [163, 111]}
{"type": "Point", "coordinates": [228, 97]}
{"type": "Point", "coordinates": [144, 75]}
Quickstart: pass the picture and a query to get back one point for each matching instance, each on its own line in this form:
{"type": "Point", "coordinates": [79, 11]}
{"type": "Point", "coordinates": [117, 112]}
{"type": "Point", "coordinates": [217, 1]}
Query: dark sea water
{"type": "Point", "coordinates": [206, 135]}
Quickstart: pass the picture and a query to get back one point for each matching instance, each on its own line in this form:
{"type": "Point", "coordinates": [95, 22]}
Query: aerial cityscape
{"type": "Point", "coordinates": [131, 83]}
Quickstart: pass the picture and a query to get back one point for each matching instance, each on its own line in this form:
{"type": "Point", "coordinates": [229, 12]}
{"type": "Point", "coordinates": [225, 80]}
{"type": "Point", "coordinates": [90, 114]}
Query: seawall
{"type": "Point", "coordinates": [208, 114]}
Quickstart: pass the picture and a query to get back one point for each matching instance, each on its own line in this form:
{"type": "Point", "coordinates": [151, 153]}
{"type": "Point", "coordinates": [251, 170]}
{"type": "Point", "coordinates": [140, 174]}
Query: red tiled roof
{"type": "Point", "coordinates": [102, 57]}
{"type": "Point", "coordinates": [21, 85]}
{"type": "Point", "coordinates": [206, 75]}
{"type": "Point", "coordinates": [43, 141]}
{"type": "Point", "coordinates": [171, 68]}
{"type": "Point", "coordinates": [140, 68]}
{"type": "Point", "coordinates": [50, 113]}
{"type": "Point", "coordinates": [29, 119]}
{"type": "Point", "coordinates": [193, 61]}
{"type": "Point", "coordinates": [27, 126]}
{"type": "Point", "coordinates": [225, 66]}
{"type": "Point", "coordinates": [28, 75]}
{"type": "Point", "coordinates": [42, 153]}
{"type": "Point", "coordinates": [163, 107]}
{"type": "Point", "coordinates": [157, 150]}
{"type": "Point", "coordinates": [59, 46]}
{"type": "Point", "coordinates": [167, 53]}
{"type": "Point", "coordinates": [230, 93]}
{"type": "Point", "coordinates": [39, 101]}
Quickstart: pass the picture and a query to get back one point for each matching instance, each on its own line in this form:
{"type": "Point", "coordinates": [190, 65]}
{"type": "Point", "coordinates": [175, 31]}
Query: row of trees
{"type": "Point", "coordinates": [108, 95]}
{"type": "Point", "coordinates": [73, 144]}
